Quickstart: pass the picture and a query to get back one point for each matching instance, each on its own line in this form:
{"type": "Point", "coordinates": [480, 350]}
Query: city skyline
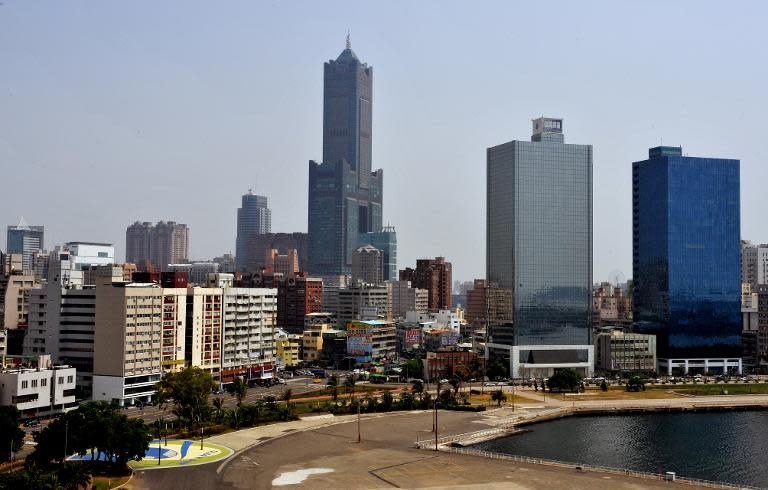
{"type": "Point", "coordinates": [74, 107]}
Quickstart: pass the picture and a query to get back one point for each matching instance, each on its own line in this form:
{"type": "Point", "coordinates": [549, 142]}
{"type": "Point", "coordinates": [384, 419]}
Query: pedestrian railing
{"type": "Point", "coordinates": [579, 466]}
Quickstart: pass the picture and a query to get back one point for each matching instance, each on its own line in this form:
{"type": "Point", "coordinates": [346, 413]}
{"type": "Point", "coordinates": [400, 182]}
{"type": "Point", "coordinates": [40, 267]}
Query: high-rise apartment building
{"type": "Point", "coordinates": [64, 324]}
{"type": "Point", "coordinates": [165, 243]}
{"type": "Point", "coordinates": [25, 240]}
{"type": "Point", "coordinates": [434, 275]}
{"type": "Point", "coordinates": [406, 298]}
{"type": "Point", "coordinates": [137, 238]}
{"type": "Point", "coordinates": [477, 302]}
{"type": "Point", "coordinates": [368, 265]}
{"type": "Point", "coordinates": [539, 251]}
{"type": "Point", "coordinates": [15, 291]}
{"type": "Point", "coordinates": [345, 196]}
{"type": "Point", "coordinates": [253, 218]}
{"type": "Point", "coordinates": [130, 342]}
{"type": "Point", "coordinates": [754, 264]}
{"type": "Point", "coordinates": [686, 259]}
{"type": "Point", "coordinates": [364, 302]}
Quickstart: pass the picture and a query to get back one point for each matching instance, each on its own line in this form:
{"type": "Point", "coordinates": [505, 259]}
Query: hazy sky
{"type": "Point", "coordinates": [112, 112]}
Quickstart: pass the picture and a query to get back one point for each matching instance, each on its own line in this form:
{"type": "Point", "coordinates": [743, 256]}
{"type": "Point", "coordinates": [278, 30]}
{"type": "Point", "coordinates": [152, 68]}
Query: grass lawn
{"type": "Point", "coordinates": [486, 400]}
{"type": "Point", "coordinates": [106, 482]}
{"type": "Point", "coordinates": [717, 389]}
{"type": "Point", "coordinates": [342, 390]}
{"type": "Point", "coordinates": [620, 393]}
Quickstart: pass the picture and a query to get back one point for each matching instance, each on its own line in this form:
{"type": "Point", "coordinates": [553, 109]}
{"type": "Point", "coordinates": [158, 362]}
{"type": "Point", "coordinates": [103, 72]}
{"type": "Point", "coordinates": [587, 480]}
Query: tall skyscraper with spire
{"type": "Point", "coordinates": [345, 196]}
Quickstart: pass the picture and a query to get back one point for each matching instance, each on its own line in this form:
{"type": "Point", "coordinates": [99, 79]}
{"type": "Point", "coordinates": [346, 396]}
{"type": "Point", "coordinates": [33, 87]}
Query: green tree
{"type": "Point", "coordinates": [497, 369]}
{"type": "Point", "coordinates": [499, 397]}
{"type": "Point", "coordinates": [564, 380]}
{"type": "Point", "coordinates": [476, 368]}
{"type": "Point", "coordinates": [286, 396]}
{"type": "Point", "coordinates": [188, 390]}
{"type": "Point", "coordinates": [333, 385]}
{"type": "Point", "coordinates": [447, 398]}
{"type": "Point", "coordinates": [270, 402]}
{"type": "Point", "coordinates": [387, 401]}
{"type": "Point", "coordinates": [238, 388]}
{"type": "Point", "coordinates": [369, 403]}
{"type": "Point", "coordinates": [350, 383]}
{"type": "Point", "coordinates": [413, 367]}
{"type": "Point", "coordinates": [73, 476]}
{"type": "Point", "coordinates": [417, 387]}
{"type": "Point", "coordinates": [218, 408]}
{"type": "Point", "coordinates": [635, 383]}
{"type": "Point", "coordinates": [11, 435]}
{"type": "Point", "coordinates": [93, 427]}
{"type": "Point", "coordinates": [604, 385]}
{"type": "Point", "coordinates": [406, 400]}
{"type": "Point", "coordinates": [455, 383]}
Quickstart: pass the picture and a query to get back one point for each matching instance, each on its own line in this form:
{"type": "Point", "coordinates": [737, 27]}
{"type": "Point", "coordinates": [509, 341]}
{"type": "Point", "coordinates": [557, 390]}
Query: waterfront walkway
{"type": "Point", "coordinates": [323, 451]}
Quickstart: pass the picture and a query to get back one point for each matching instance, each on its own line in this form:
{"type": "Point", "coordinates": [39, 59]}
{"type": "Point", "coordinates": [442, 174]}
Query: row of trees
{"type": "Point", "coordinates": [93, 428]}
{"type": "Point", "coordinates": [97, 429]}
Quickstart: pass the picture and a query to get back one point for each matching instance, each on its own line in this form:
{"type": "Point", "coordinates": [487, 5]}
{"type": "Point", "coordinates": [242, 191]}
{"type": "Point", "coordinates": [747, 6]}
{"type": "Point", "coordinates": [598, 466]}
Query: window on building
{"type": "Point", "coordinates": [43, 382]}
{"type": "Point", "coordinates": [69, 378]}
{"type": "Point", "coordinates": [61, 380]}
{"type": "Point", "coordinates": [34, 383]}
{"type": "Point", "coordinates": [24, 384]}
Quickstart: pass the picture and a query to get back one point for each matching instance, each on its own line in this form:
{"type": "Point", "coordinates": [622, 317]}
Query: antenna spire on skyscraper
{"type": "Point", "coordinates": [349, 44]}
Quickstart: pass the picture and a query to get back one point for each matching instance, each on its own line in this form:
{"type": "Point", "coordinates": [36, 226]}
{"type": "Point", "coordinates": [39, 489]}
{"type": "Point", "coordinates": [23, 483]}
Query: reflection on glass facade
{"type": "Point", "coordinates": [345, 196]}
{"type": "Point", "coordinates": [687, 253]}
{"type": "Point", "coordinates": [386, 241]}
{"type": "Point", "coordinates": [539, 236]}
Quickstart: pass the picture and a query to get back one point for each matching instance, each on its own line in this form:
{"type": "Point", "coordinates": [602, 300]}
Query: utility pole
{"type": "Point", "coordinates": [435, 423]}
{"type": "Point", "coordinates": [359, 437]}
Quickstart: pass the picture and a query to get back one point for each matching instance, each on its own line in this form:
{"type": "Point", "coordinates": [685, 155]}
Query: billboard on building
{"type": "Point", "coordinates": [360, 346]}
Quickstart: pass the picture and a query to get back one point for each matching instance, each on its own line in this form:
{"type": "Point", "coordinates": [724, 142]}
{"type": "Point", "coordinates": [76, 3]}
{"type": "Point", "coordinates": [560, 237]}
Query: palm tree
{"type": "Point", "coordinates": [350, 383]}
{"type": "Point", "coordinates": [73, 476]}
{"type": "Point", "coordinates": [498, 396]}
{"type": "Point", "coordinates": [333, 384]}
{"type": "Point", "coordinates": [286, 396]}
{"type": "Point", "coordinates": [239, 388]}
{"type": "Point", "coordinates": [218, 407]}
{"type": "Point", "coordinates": [455, 383]}
{"type": "Point", "coordinates": [418, 388]}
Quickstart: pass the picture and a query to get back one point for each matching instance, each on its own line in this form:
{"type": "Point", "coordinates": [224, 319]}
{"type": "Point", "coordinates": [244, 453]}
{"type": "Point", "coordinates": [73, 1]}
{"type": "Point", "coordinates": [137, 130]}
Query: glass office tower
{"type": "Point", "coordinates": [686, 259]}
{"type": "Point", "coordinates": [253, 217]}
{"type": "Point", "coordinates": [539, 250]}
{"type": "Point", "coordinates": [345, 196]}
{"type": "Point", "coordinates": [25, 240]}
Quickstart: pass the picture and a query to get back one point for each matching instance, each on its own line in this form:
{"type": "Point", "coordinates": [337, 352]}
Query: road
{"type": "Point", "coordinates": [298, 386]}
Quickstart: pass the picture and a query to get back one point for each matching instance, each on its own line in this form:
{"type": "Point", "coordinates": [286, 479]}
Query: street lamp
{"type": "Point", "coordinates": [66, 437]}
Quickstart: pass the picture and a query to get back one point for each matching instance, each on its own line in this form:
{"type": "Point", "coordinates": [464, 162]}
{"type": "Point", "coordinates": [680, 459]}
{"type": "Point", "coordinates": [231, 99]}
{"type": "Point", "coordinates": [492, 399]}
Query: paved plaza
{"type": "Point", "coordinates": [322, 452]}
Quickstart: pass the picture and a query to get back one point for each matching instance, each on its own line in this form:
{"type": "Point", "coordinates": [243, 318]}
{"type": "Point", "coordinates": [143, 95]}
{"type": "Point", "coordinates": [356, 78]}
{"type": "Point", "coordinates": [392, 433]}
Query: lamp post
{"type": "Point", "coordinates": [66, 437]}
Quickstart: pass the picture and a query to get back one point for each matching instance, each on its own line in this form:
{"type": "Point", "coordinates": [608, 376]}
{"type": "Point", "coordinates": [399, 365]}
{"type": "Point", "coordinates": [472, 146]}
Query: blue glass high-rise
{"type": "Point", "coordinates": [686, 258]}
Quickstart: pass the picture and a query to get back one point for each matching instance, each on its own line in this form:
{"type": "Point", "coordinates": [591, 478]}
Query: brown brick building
{"type": "Point", "coordinates": [435, 276]}
{"type": "Point", "coordinates": [297, 296]}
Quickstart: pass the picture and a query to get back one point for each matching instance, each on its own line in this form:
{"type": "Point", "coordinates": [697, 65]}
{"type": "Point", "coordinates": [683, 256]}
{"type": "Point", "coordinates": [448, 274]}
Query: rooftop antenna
{"type": "Point", "coordinates": [349, 44]}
